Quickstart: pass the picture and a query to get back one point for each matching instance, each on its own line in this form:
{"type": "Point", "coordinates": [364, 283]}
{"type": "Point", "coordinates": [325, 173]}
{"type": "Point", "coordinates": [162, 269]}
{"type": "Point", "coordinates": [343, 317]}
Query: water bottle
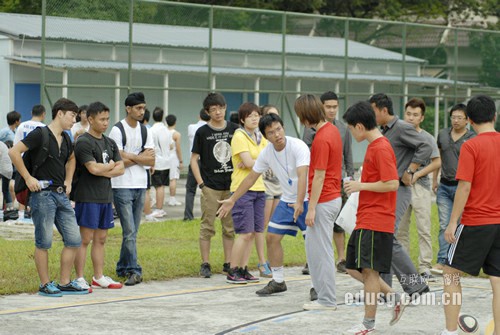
{"type": "Point", "coordinates": [44, 183]}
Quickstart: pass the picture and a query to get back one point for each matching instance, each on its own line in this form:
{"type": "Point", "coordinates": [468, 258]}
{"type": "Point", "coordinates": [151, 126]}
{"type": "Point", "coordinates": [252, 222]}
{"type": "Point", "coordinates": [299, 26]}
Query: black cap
{"type": "Point", "coordinates": [136, 98]}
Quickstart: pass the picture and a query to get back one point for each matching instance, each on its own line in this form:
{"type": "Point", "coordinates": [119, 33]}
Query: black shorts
{"type": "Point", "coordinates": [148, 177]}
{"type": "Point", "coordinates": [368, 249]}
{"type": "Point", "coordinates": [160, 178]}
{"type": "Point", "coordinates": [476, 247]}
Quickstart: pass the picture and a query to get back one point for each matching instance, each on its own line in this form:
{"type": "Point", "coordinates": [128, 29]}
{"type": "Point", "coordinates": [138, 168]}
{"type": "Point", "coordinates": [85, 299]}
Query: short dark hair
{"type": "Point", "coordinates": [95, 108]}
{"type": "Point", "coordinates": [38, 110]}
{"type": "Point", "coordinates": [309, 108]}
{"type": "Point", "coordinates": [158, 114]}
{"type": "Point", "coordinates": [267, 121]}
{"type": "Point", "coordinates": [213, 99]}
{"type": "Point", "coordinates": [381, 100]}
{"type": "Point", "coordinates": [233, 117]}
{"type": "Point", "coordinates": [416, 103]}
{"type": "Point", "coordinates": [147, 115]}
{"type": "Point", "coordinates": [246, 109]}
{"type": "Point", "coordinates": [134, 99]}
{"type": "Point", "coordinates": [171, 120]}
{"type": "Point", "coordinates": [328, 96]}
{"type": "Point", "coordinates": [64, 105]}
{"type": "Point", "coordinates": [265, 108]}
{"type": "Point", "coordinates": [481, 109]}
{"type": "Point", "coordinates": [459, 107]}
{"type": "Point", "coordinates": [13, 117]}
{"type": "Point", "coordinates": [361, 112]}
{"type": "Point", "coordinates": [204, 115]}
{"type": "Point", "coordinates": [82, 108]}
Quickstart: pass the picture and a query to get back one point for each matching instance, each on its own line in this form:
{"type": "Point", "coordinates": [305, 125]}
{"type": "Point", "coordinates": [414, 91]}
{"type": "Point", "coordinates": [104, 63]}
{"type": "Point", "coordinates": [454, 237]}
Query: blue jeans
{"type": "Point", "coordinates": [129, 204]}
{"type": "Point", "coordinates": [444, 199]}
{"type": "Point", "coordinates": [49, 208]}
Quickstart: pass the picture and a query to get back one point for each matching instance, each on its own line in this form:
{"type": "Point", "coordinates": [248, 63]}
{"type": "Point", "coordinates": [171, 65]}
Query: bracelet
{"type": "Point", "coordinates": [202, 185]}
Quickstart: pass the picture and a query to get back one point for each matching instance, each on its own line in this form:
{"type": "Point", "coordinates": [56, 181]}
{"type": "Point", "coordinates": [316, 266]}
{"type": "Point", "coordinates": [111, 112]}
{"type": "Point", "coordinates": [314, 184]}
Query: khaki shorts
{"type": "Point", "coordinates": [209, 207]}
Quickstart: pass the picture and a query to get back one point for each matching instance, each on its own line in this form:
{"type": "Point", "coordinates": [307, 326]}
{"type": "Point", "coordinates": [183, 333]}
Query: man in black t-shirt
{"type": "Point", "coordinates": [51, 204]}
{"type": "Point", "coordinates": [98, 160]}
{"type": "Point", "coordinates": [212, 146]}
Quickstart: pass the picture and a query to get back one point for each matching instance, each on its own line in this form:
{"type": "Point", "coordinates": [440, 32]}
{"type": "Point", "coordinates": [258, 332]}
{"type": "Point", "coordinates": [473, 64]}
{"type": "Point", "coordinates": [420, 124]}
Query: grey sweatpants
{"type": "Point", "coordinates": [401, 265]}
{"type": "Point", "coordinates": [319, 251]}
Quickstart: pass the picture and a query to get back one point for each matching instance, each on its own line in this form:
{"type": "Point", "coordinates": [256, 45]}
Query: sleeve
{"type": "Point", "coordinates": [116, 135]}
{"type": "Point", "coordinates": [149, 140]}
{"type": "Point", "coordinates": [262, 162]}
{"type": "Point", "coordinates": [439, 140]}
{"type": "Point", "coordinates": [116, 153]}
{"type": "Point", "coordinates": [303, 155]}
{"type": "Point", "coordinates": [466, 163]}
{"type": "Point", "coordinates": [410, 137]}
{"type": "Point", "coordinates": [196, 149]}
{"type": "Point", "coordinates": [18, 135]}
{"type": "Point", "coordinates": [348, 163]}
{"type": "Point", "coordinates": [385, 161]}
{"type": "Point", "coordinates": [435, 149]}
{"type": "Point", "coordinates": [83, 151]}
{"type": "Point", "coordinates": [320, 154]}
{"type": "Point", "coordinates": [34, 139]}
{"type": "Point", "coordinates": [239, 143]}
{"type": "Point", "coordinates": [308, 136]}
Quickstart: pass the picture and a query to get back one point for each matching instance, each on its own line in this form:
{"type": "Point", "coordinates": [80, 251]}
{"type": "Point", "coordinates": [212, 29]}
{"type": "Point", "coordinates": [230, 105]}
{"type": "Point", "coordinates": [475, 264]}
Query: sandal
{"type": "Point", "coordinates": [265, 270]}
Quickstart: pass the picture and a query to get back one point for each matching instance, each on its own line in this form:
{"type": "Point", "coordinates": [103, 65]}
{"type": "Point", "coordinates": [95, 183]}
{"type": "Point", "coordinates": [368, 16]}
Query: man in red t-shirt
{"type": "Point", "coordinates": [369, 250]}
{"type": "Point", "coordinates": [475, 243]}
{"type": "Point", "coordinates": [325, 171]}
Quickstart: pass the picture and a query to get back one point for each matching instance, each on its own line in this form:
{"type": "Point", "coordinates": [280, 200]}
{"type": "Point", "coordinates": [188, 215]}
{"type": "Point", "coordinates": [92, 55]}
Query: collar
{"type": "Point", "coordinates": [390, 124]}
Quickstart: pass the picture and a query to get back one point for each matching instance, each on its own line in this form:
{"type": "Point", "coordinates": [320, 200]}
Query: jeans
{"type": "Point", "coordinates": [49, 208]}
{"type": "Point", "coordinates": [5, 190]}
{"type": "Point", "coordinates": [444, 199]}
{"type": "Point", "coordinates": [191, 187]}
{"type": "Point", "coordinates": [129, 204]}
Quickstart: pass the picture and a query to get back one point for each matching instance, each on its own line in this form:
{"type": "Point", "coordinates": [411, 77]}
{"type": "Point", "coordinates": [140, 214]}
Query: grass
{"type": "Point", "coordinates": [166, 250]}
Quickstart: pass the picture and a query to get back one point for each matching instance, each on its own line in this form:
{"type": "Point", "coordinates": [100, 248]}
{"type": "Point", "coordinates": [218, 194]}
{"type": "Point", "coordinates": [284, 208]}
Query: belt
{"type": "Point", "coordinates": [448, 182]}
{"type": "Point", "coordinates": [57, 189]}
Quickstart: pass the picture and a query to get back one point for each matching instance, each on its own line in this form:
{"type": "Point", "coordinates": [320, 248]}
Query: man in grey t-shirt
{"type": "Point", "coordinates": [420, 194]}
{"type": "Point", "coordinates": [411, 151]}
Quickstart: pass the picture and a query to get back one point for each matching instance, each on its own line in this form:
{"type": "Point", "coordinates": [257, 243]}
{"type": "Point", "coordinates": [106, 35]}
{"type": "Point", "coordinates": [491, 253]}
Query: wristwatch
{"type": "Point", "coordinates": [409, 171]}
{"type": "Point", "coordinates": [202, 185]}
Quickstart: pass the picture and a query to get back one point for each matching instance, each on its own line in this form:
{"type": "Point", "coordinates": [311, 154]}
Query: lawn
{"type": "Point", "coordinates": [166, 250]}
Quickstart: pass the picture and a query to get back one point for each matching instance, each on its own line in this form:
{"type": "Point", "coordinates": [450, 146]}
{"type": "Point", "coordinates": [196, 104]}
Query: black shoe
{"type": "Point", "coordinates": [226, 267]}
{"type": "Point", "coordinates": [272, 287]}
{"type": "Point", "coordinates": [10, 214]}
{"type": "Point", "coordinates": [27, 214]}
{"type": "Point", "coordinates": [341, 266]}
{"type": "Point", "coordinates": [235, 276]}
{"type": "Point", "coordinates": [305, 270]}
{"type": "Point", "coordinates": [427, 276]}
{"type": "Point", "coordinates": [205, 270]}
{"type": "Point", "coordinates": [313, 295]}
{"type": "Point", "coordinates": [133, 279]}
{"type": "Point", "coordinates": [248, 276]}
{"type": "Point", "coordinates": [418, 293]}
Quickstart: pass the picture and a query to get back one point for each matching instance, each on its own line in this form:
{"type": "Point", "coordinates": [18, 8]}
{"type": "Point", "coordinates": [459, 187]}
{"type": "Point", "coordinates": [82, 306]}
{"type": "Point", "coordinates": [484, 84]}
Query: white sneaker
{"type": "Point", "coordinates": [158, 213]}
{"type": "Point", "coordinates": [399, 308]}
{"type": "Point", "coordinates": [360, 330]}
{"type": "Point", "coordinates": [106, 282]}
{"type": "Point", "coordinates": [150, 218]}
{"type": "Point", "coordinates": [83, 284]}
{"type": "Point", "coordinates": [315, 305]}
{"type": "Point", "coordinates": [174, 202]}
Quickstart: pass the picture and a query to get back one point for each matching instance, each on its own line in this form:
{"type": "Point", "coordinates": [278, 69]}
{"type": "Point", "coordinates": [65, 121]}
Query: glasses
{"type": "Point", "coordinates": [216, 109]}
{"type": "Point", "coordinates": [458, 118]}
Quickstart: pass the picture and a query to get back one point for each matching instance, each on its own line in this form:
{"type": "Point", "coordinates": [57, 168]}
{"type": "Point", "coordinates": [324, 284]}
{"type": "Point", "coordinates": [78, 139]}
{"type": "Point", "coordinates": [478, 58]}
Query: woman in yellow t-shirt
{"type": "Point", "coordinates": [248, 211]}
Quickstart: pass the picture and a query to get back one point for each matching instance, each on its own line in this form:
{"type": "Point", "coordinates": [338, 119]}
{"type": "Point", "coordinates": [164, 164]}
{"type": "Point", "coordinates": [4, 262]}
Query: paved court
{"type": "Point", "coordinates": [210, 306]}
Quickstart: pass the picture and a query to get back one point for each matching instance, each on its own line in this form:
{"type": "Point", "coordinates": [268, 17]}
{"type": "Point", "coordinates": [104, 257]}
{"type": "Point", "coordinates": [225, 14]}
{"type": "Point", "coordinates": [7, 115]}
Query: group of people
{"type": "Point", "coordinates": [255, 178]}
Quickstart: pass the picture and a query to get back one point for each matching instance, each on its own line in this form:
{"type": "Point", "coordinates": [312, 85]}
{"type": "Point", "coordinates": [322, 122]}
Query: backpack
{"type": "Point", "coordinates": [144, 134]}
{"type": "Point", "coordinates": [33, 159]}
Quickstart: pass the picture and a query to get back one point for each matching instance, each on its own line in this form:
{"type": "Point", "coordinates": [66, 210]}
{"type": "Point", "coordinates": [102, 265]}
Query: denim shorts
{"type": "Point", "coordinates": [94, 215]}
{"type": "Point", "coordinates": [49, 208]}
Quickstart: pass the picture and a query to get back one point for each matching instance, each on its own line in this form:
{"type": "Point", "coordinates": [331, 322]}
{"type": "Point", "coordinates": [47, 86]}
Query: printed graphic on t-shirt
{"type": "Point", "coordinates": [105, 156]}
{"type": "Point", "coordinates": [222, 153]}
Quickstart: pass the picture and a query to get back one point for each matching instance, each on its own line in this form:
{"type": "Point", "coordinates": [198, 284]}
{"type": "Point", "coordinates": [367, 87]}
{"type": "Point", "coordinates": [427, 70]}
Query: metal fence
{"type": "Point", "coordinates": [459, 55]}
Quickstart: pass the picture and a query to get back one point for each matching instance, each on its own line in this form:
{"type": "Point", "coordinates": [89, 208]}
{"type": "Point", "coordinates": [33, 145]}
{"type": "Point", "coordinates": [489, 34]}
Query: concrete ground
{"type": "Point", "coordinates": [210, 306]}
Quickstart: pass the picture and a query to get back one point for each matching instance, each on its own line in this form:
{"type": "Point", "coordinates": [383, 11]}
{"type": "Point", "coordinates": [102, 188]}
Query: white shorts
{"type": "Point", "coordinates": [175, 173]}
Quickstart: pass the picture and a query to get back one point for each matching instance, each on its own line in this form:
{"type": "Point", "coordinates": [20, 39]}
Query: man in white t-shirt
{"type": "Point", "coordinates": [191, 184]}
{"type": "Point", "coordinates": [37, 118]}
{"type": "Point", "coordinates": [129, 189]}
{"type": "Point", "coordinates": [288, 158]}
{"type": "Point", "coordinates": [162, 139]}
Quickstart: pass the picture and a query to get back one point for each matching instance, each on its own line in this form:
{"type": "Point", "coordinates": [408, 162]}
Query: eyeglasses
{"type": "Point", "coordinates": [458, 118]}
{"type": "Point", "coordinates": [215, 109]}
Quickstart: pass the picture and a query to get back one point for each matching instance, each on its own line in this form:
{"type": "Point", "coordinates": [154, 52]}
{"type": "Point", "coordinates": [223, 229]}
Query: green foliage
{"type": "Point", "coordinates": [488, 47]}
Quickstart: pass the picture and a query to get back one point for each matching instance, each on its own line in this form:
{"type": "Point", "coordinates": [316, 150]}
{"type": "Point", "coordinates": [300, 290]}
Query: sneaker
{"type": "Point", "coordinates": [316, 306]}
{"type": "Point", "coordinates": [133, 279]}
{"type": "Point", "coordinates": [265, 270]}
{"type": "Point", "coordinates": [248, 276]}
{"type": "Point", "coordinates": [236, 276]}
{"type": "Point", "coordinates": [437, 269]}
{"type": "Point", "coordinates": [360, 330]}
{"type": "Point", "coordinates": [313, 295]}
{"type": "Point", "coordinates": [151, 218]}
{"type": "Point", "coordinates": [158, 213]}
{"type": "Point", "coordinates": [72, 288]}
{"type": "Point", "coordinates": [27, 214]}
{"type": "Point", "coordinates": [305, 270]}
{"type": "Point", "coordinates": [418, 293]}
{"type": "Point", "coordinates": [115, 214]}
{"type": "Point", "coordinates": [341, 266]}
{"type": "Point", "coordinates": [428, 277]}
{"type": "Point", "coordinates": [399, 308]}
{"type": "Point", "coordinates": [174, 202]}
{"type": "Point", "coordinates": [49, 290]}
{"type": "Point", "coordinates": [10, 214]}
{"type": "Point", "coordinates": [272, 287]}
{"type": "Point", "coordinates": [205, 270]}
{"type": "Point", "coordinates": [226, 267]}
{"type": "Point", "coordinates": [106, 282]}
{"type": "Point", "coordinates": [83, 284]}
